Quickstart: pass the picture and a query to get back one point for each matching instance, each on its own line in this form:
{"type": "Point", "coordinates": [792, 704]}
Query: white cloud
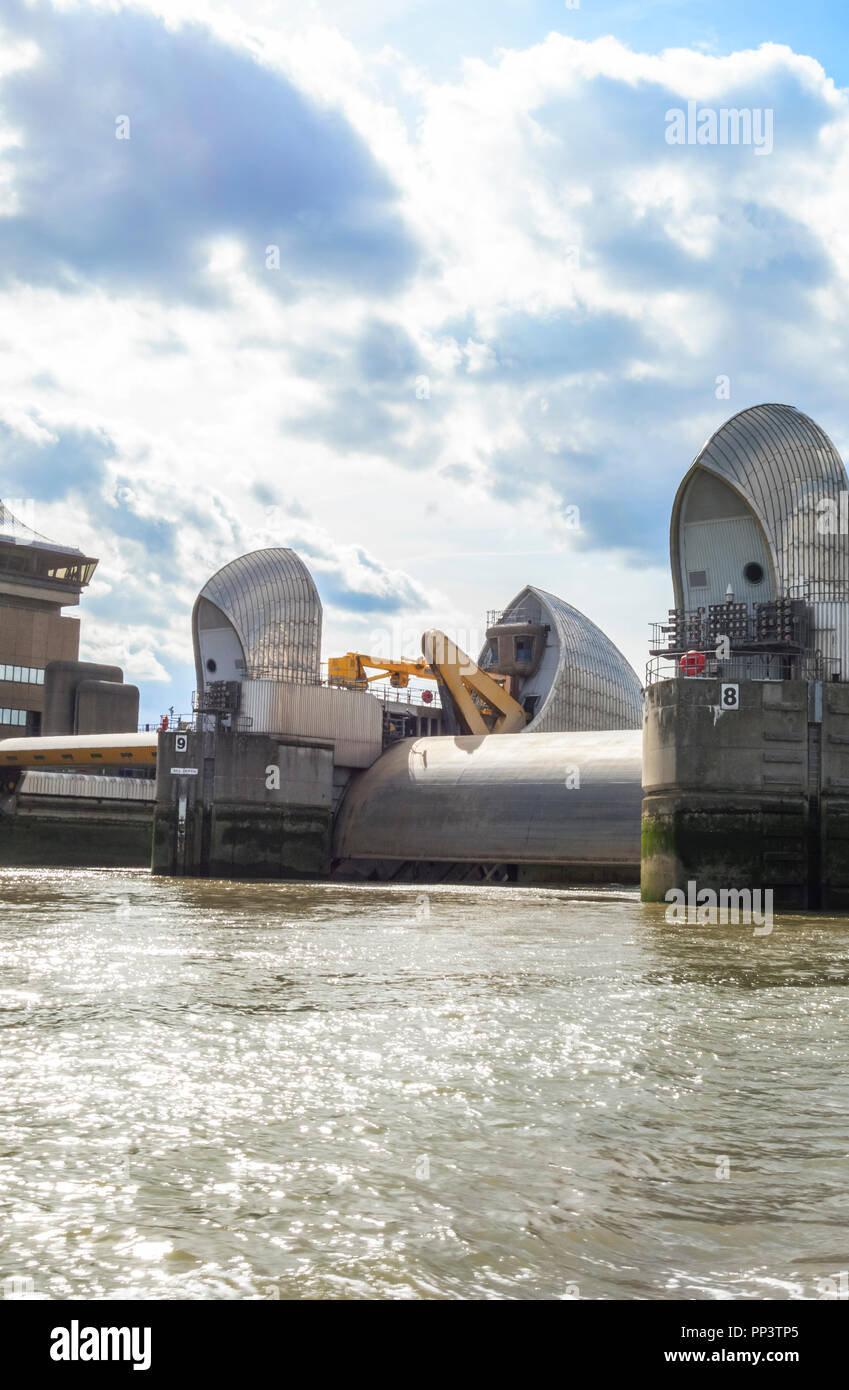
{"type": "Point", "coordinates": [691, 263]}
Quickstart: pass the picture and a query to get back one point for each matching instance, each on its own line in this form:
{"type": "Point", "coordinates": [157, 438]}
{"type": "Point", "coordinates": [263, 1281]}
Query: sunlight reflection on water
{"type": "Point", "coordinates": [220, 1090]}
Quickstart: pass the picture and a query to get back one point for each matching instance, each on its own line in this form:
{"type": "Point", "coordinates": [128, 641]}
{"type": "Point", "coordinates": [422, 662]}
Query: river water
{"type": "Point", "coordinates": [218, 1090]}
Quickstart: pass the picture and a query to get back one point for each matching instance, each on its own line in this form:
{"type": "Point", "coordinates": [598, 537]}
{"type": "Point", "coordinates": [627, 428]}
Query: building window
{"type": "Point", "coordinates": [524, 649]}
{"type": "Point", "coordinates": [698, 579]}
{"type": "Point", "coordinates": [25, 675]}
{"type": "Point", "coordinates": [13, 716]}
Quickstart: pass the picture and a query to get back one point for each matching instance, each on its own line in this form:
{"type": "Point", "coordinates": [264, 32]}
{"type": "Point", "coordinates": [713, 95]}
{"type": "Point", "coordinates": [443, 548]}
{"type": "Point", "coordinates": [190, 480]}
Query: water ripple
{"type": "Point", "coordinates": [214, 1090]}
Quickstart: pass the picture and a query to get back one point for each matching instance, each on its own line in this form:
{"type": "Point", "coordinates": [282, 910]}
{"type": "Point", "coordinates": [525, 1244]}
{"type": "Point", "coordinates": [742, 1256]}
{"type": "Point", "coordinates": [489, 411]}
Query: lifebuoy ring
{"type": "Point", "coordinates": [692, 664]}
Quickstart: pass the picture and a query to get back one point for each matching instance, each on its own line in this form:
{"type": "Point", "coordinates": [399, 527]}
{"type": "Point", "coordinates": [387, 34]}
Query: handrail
{"type": "Point", "coordinates": [748, 665]}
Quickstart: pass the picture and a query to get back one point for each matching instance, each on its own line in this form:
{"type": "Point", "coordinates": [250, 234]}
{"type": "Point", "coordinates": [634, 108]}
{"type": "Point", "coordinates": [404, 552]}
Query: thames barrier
{"type": "Point", "coordinates": [542, 760]}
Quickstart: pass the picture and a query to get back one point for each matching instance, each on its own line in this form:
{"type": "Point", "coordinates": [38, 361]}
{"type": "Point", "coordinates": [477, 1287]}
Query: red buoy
{"type": "Point", "coordinates": [692, 664]}
{"type": "Point", "coordinates": [427, 696]}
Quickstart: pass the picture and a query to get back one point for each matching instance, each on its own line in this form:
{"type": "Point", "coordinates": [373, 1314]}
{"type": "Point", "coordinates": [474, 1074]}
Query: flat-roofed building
{"type": "Point", "coordinates": [38, 578]}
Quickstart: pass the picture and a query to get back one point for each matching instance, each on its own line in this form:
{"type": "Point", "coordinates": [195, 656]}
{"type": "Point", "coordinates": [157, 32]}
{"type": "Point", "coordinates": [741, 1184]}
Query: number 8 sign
{"type": "Point", "coordinates": [729, 696]}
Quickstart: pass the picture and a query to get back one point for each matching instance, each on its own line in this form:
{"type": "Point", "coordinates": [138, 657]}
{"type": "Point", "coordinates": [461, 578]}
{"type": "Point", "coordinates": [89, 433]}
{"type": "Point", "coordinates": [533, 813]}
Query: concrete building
{"type": "Point", "coordinates": [85, 697]}
{"type": "Point", "coordinates": [38, 578]}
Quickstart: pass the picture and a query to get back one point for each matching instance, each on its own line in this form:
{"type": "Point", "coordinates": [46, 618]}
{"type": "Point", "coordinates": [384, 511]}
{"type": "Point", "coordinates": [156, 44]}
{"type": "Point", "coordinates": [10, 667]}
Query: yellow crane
{"type": "Point", "coordinates": [478, 701]}
{"type": "Point", "coordinates": [351, 670]}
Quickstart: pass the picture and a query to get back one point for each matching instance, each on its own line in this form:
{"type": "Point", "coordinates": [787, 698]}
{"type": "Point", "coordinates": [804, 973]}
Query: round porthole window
{"type": "Point", "coordinates": [211, 666]}
{"type": "Point", "coordinates": [753, 572]}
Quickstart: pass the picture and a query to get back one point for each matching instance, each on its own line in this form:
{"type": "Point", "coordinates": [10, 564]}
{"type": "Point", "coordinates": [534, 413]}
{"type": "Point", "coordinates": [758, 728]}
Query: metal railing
{"type": "Point", "coordinates": [748, 665]}
{"type": "Point", "coordinates": [385, 693]}
{"type": "Point", "coordinates": [390, 695]}
{"type": "Point", "coordinates": [495, 616]}
{"type": "Point", "coordinates": [272, 673]}
{"type": "Point", "coordinates": [179, 722]}
{"type": "Point", "coordinates": [820, 590]}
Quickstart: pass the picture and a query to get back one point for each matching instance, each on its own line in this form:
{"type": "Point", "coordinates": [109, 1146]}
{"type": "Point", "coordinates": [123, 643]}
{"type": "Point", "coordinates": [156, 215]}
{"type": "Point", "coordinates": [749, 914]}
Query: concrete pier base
{"type": "Point", "coordinates": [725, 842]}
{"type": "Point", "coordinates": [753, 796]}
{"type": "Point", "coordinates": [232, 805]}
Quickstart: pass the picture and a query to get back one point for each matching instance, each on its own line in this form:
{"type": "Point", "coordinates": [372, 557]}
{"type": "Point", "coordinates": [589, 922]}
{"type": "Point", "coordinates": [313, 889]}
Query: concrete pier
{"type": "Point", "coordinates": [231, 805]}
{"type": "Point", "coordinates": [754, 796]}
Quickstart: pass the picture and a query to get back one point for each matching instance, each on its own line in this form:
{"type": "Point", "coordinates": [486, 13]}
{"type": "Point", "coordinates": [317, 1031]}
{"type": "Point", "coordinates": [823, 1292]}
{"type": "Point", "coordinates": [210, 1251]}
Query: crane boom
{"type": "Point", "coordinates": [352, 670]}
{"type": "Point", "coordinates": [479, 702]}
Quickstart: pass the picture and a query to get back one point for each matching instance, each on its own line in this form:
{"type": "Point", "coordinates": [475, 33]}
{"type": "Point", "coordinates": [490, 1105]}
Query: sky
{"type": "Point", "coordinates": [423, 291]}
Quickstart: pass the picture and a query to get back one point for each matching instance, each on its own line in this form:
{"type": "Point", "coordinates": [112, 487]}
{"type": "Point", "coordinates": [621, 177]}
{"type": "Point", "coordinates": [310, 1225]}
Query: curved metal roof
{"type": "Point", "coordinates": [514, 798]}
{"type": "Point", "coordinates": [270, 600]}
{"type": "Point", "coordinates": [584, 681]}
{"type": "Point", "coordinates": [783, 466]}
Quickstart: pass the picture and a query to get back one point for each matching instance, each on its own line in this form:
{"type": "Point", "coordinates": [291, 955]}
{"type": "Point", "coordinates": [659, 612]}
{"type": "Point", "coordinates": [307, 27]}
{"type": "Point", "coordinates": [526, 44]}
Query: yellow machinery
{"type": "Point", "coordinates": [350, 670]}
{"type": "Point", "coordinates": [478, 700]}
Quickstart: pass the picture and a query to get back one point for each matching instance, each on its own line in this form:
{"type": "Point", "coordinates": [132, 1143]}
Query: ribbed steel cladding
{"type": "Point", "coordinates": [272, 602]}
{"type": "Point", "coordinates": [783, 464]}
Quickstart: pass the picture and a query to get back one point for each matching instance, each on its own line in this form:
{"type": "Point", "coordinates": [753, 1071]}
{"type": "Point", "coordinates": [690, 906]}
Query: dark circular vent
{"type": "Point", "coordinates": [753, 572]}
{"type": "Point", "coordinates": [211, 666]}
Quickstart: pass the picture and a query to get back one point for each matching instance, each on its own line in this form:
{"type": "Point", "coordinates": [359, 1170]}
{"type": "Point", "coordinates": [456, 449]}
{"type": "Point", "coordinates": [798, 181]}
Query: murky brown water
{"type": "Point", "coordinates": [218, 1090]}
